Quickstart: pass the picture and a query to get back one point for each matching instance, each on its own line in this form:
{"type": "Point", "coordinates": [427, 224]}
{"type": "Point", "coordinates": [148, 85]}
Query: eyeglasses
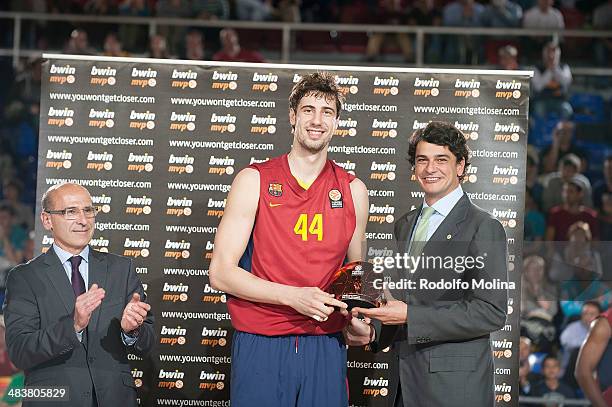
{"type": "Point", "coordinates": [73, 213]}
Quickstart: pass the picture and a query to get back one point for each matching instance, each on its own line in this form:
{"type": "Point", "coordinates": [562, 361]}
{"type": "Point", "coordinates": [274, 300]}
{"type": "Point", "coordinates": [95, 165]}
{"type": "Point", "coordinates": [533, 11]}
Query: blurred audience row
{"type": "Point", "coordinates": [539, 14]}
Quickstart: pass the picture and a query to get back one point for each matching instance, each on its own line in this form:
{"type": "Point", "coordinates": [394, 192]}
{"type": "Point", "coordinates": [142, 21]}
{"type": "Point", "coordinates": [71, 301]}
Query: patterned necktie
{"type": "Point", "coordinates": [419, 238]}
{"type": "Point", "coordinates": [78, 284]}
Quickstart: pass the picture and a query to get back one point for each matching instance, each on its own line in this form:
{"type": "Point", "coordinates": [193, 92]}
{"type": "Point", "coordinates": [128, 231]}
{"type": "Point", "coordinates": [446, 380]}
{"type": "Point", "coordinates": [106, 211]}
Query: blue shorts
{"type": "Point", "coordinates": [288, 371]}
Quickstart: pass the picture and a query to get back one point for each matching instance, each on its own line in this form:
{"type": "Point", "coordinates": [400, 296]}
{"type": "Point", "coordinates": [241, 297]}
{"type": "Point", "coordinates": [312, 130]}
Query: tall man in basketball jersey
{"type": "Point", "coordinates": [442, 335]}
{"type": "Point", "coordinates": [289, 224]}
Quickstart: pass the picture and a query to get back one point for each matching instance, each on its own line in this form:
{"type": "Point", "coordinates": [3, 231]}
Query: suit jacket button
{"type": "Point", "coordinates": [91, 359]}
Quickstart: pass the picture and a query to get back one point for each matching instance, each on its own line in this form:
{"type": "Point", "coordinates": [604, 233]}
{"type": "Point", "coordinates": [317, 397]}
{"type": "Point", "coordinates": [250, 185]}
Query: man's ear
{"type": "Point", "coordinates": [45, 219]}
{"type": "Point", "coordinates": [292, 118]}
{"type": "Point", "coordinates": [461, 167]}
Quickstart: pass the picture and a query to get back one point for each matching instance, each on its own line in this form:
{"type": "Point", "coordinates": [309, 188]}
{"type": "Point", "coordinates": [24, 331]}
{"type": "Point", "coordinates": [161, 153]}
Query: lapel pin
{"type": "Point", "coordinates": [448, 237]}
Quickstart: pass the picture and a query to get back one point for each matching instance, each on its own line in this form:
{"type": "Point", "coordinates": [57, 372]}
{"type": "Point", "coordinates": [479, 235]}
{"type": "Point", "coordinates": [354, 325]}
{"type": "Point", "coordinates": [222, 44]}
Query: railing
{"type": "Point", "coordinates": [288, 29]}
{"type": "Point", "coordinates": [560, 403]}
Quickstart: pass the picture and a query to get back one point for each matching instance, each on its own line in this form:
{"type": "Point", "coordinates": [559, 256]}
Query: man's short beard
{"type": "Point", "coordinates": [311, 149]}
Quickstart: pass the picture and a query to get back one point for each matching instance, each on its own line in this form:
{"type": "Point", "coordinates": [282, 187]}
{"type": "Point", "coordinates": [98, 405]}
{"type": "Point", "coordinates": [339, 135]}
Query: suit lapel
{"type": "Point", "coordinates": [97, 275]}
{"type": "Point", "coordinates": [406, 229]}
{"type": "Point", "coordinates": [56, 274]}
{"type": "Point", "coordinates": [450, 224]}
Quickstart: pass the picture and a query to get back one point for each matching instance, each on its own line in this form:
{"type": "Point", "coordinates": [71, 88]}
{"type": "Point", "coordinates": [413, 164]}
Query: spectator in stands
{"type": "Point", "coordinates": [462, 49]}
{"type": "Point", "coordinates": [25, 92]}
{"type": "Point", "coordinates": [569, 168]}
{"type": "Point", "coordinates": [508, 57]}
{"type": "Point", "coordinates": [551, 81]}
{"type": "Point", "coordinates": [112, 46]}
{"type": "Point", "coordinates": [526, 377]}
{"type": "Point", "coordinates": [193, 47]}
{"type": "Point", "coordinates": [603, 186]}
{"type": "Point", "coordinates": [576, 332]}
{"type": "Point", "coordinates": [577, 250]}
{"type": "Point", "coordinates": [605, 217]}
{"type": "Point", "coordinates": [12, 238]}
{"type": "Point", "coordinates": [525, 352]}
{"type": "Point", "coordinates": [533, 182]}
{"type": "Point", "coordinates": [424, 12]}
{"type": "Point", "coordinates": [157, 47]}
{"type": "Point", "coordinates": [585, 283]}
{"type": "Point", "coordinates": [524, 383]}
{"type": "Point", "coordinates": [24, 214]}
{"type": "Point", "coordinates": [210, 9]}
{"type": "Point", "coordinates": [78, 43]}
{"type": "Point", "coordinates": [232, 51]}
{"type": "Point", "coordinates": [602, 20]}
{"type": "Point", "coordinates": [134, 36]}
{"type": "Point", "coordinates": [594, 366]}
{"type": "Point", "coordinates": [538, 295]}
{"type": "Point", "coordinates": [287, 11]}
{"type": "Point", "coordinates": [502, 14]}
{"type": "Point", "coordinates": [173, 34]}
{"type": "Point", "coordinates": [551, 388]}
{"type": "Point", "coordinates": [254, 10]}
{"type": "Point", "coordinates": [390, 12]}
{"type": "Point", "coordinates": [543, 15]}
{"type": "Point", "coordinates": [562, 144]}
{"type": "Point", "coordinates": [561, 217]}
{"type": "Point", "coordinates": [535, 226]}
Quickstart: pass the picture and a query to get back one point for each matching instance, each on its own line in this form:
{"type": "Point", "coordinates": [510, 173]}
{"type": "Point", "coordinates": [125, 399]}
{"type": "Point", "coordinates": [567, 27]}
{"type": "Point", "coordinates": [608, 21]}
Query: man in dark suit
{"type": "Point", "coordinates": [63, 334]}
{"type": "Point", "coordinates": [440, 328]}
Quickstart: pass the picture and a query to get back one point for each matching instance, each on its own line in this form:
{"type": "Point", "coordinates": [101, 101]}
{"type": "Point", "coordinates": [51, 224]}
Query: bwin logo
{"type": "Point", "coordinates": [347, 84]}
{"type": "Point", "coordinates": [263, 124]}
{"type": "Point", "coordinates": [389, 128]}
{"type": "Point", "coordinates": [224, 80]}
{"type": "Point", "coordinates": [60, 117]}
{"type": "Point", "coordinates": [184, 79]}
{"type": "Point", "coordinates": [222, 123]}
{"type": "Point", "coordinates": [103, 76]}
{"type": "Point", "coordinates": [346, 127]}
{"type": "Point", "coordinates": [171, 375]}
{"type": "Point", "coordinates": [472, 87]}
{"type": "Point", "coordinates": [144, 77]}
{"type": "Point", "coordinates": [136, 248]}
{"type": "Point", "coordinates": [182, 121]}
{"type": "Point", "coordinates": [264, 83]}
{"type": "Point", "coordinates": [62, 74]}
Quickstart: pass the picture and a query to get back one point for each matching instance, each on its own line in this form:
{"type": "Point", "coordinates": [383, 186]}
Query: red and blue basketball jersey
{"type": "Point", "coordinates": [300, 238]}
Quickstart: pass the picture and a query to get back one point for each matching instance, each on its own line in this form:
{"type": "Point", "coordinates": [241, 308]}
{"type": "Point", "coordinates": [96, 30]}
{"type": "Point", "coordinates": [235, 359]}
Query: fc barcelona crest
{"type": "Point", "coordinates": [275, 189]}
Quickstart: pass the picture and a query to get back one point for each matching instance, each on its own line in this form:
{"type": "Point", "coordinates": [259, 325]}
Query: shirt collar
{"type": "Point", "coordinates": [444, 205]}
{"type": "Point", "coordinates": [64, 255]}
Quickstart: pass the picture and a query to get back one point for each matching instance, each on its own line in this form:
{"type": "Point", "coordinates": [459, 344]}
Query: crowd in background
{"type": "Point", "coordinates": [116, 39]}
{"type": "Point", "coordinates": [568, 210]}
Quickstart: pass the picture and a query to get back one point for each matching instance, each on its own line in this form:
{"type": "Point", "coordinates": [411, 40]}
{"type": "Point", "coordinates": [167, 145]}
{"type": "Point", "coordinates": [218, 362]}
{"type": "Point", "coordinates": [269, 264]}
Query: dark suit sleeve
{"type": "Point", "coordinates": [146, 334]}
{"type": "Point", "coordinates": [27, 344]}
{"type": "Point", "coordinates": [385, 335]}
{"type": "Point", "coordinates": [482, 311]}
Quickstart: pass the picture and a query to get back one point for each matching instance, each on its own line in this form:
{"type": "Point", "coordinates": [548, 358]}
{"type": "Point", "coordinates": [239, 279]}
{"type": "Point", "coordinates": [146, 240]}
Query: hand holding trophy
{"type": "Point", "coordinates": [353, 284]}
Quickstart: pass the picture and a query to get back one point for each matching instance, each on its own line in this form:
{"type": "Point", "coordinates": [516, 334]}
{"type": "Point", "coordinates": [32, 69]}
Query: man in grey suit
{"type": "Point", "coordinates": [440, 328]}
{"type": "Point", "coordinates": [63, 334]}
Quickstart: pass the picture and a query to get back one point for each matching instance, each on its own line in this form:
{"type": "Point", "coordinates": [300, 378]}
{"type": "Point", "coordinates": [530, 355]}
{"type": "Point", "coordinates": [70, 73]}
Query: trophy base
{"type": "Point", "coordinates": [352, 303]}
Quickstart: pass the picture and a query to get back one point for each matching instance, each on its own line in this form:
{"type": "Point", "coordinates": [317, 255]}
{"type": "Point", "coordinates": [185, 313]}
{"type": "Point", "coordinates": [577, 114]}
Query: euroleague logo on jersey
{"type": "Point", "coordinates": [275, 189]}
{"type": "Point", "coordinates": [335, 199]}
